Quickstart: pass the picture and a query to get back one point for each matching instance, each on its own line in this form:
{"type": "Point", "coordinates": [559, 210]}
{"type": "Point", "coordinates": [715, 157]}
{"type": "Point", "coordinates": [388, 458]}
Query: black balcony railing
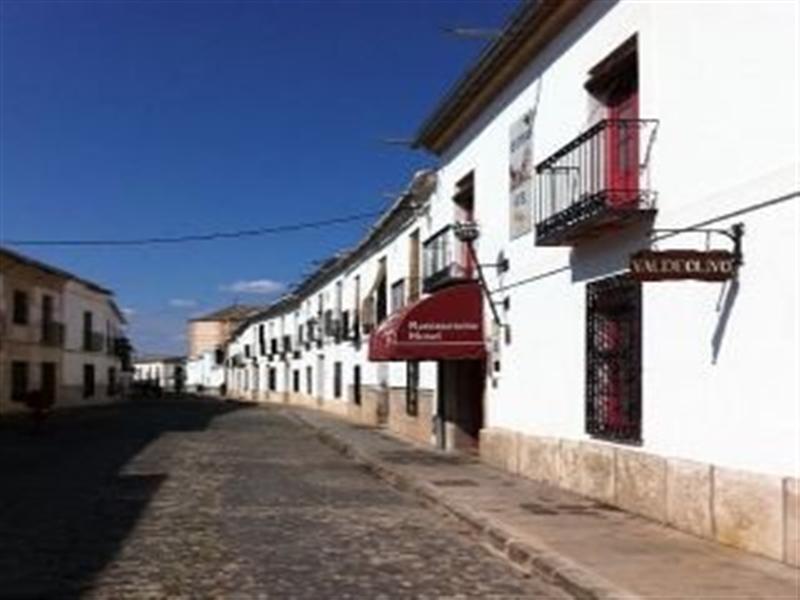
{"type": "Point", "coordinates": [445, 260]}
{"type": "Point", "coordinates": [53, 334]}
{"type": "Point", "coordinates": [93, 342]}
{"type": "Point", "coordinates": [599, 179]}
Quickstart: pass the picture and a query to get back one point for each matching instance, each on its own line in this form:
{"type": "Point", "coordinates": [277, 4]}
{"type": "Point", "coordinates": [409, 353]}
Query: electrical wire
{"type": "Point", "coordinates": [197, 237]}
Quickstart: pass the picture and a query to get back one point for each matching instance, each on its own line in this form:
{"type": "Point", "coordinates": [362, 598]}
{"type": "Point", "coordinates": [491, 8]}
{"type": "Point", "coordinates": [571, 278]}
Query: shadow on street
{"type": "Point", "coordinates": [66, 506]}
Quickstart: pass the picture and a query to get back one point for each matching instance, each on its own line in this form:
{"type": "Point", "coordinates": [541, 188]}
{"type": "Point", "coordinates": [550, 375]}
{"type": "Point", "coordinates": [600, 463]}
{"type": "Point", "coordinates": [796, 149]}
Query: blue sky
{"type": "Point", "coordinates": [159, 118]}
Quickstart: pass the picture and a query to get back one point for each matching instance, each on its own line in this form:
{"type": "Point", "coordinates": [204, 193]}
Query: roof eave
{"type": "Point", "coordinates": [527, 32]}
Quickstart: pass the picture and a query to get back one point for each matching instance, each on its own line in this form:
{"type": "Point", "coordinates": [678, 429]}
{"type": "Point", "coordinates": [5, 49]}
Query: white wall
{"type": "Point", "coordinates": [721, 78]}
{"type": "Point", "coordinates": [77, 299]}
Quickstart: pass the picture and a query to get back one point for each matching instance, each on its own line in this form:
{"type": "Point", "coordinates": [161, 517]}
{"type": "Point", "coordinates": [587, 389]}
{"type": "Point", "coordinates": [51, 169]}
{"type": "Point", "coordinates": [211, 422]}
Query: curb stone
{"type": "Point", "coordinates": [531, 559]}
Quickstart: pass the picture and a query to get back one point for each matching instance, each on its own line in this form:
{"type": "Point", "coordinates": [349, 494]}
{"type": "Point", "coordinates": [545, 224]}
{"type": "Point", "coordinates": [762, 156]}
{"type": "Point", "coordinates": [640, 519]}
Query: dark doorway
{"type": "Point", "coordinates": [460, 403]}
{"type": "Point", "coordinates": [49, 382]}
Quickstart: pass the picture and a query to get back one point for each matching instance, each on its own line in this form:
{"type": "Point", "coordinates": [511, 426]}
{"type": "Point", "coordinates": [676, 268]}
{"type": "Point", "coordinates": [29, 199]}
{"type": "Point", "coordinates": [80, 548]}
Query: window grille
{"type": "Point", "coordinates": [412, 388]}
{"type": "Point", "coordinates": [614, 359]}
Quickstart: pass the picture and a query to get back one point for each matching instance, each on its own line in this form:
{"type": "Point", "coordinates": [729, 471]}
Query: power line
{"type": "Point", "coordinates": [198, 237]}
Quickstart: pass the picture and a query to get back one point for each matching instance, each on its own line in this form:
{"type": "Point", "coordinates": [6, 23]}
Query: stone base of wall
{"type": "Point", "coordinates": [419, 427]}
{"type": "Point", "coordinates": [753, 512]}
{"type": "Point", "coordinates": [372, 409]}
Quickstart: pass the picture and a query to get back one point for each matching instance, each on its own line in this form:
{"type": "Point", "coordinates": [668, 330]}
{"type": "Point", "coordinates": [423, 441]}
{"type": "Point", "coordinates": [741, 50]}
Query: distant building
{"type": "Point", "coordinates": [61, 337]}
{"type": "Point", "coordinates": [206, 373]}
{"type": "Point", "coordinates": [210, 331]}
{"type": "Point", "coordinates": [165, 372]}
{"type": "Point", "coordinates": [207, 335]}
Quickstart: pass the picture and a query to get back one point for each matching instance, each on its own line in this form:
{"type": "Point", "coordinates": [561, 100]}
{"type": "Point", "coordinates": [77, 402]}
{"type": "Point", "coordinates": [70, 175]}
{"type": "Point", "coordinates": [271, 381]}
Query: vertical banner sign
{"type": "Point", "coordinates": [520, 168]}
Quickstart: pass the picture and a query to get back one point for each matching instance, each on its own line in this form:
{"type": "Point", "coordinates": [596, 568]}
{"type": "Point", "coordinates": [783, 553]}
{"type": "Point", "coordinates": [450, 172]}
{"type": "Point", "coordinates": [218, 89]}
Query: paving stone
{"type": "Point", "coordinates": [211, 499]}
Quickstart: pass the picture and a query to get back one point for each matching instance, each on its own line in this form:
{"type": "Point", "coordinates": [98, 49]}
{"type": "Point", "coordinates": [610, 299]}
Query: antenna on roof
{"type": "Point", "coordinates": [397, 141]}
{"type": "Point", "coordinates": [473, 33]}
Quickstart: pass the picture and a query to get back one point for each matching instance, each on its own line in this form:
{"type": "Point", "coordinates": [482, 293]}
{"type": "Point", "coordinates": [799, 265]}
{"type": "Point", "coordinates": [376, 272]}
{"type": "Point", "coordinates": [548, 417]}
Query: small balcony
{"type": "Point", "coordinates": [446, 260]}
{"type": "Point", "coordinates": [53, 334]}
{"type": "Point", "coordinates": [93, 342]}
{"type": "Point", "coordinates": [597, 183]}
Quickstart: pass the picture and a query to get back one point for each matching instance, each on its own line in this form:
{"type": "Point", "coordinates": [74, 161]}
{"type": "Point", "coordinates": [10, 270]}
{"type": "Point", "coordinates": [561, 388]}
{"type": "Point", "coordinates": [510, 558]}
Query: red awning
{"type": "Point", "coordinates": [447, 325]}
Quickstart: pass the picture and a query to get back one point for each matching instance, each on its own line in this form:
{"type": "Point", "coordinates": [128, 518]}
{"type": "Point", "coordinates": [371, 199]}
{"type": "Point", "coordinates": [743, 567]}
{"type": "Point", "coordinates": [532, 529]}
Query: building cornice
{"type": "Point", "coordinates": [534, 25]}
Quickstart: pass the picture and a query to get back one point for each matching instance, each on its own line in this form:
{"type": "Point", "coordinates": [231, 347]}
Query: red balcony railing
{"type": "Point", "coordinates": [597, 181]}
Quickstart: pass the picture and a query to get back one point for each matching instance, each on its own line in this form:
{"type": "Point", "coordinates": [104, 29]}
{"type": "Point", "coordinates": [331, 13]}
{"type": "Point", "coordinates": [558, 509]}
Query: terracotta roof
{"type": "Point", "coordinates": [234, 312]}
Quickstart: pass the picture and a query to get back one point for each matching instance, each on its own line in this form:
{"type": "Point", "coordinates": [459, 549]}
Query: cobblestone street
{"type": "Point", "coordinates": [202, 499]}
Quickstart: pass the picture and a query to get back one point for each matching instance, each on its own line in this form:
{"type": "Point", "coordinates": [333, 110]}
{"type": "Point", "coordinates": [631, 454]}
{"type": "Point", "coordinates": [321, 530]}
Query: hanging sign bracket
{"type": "Point", "coordinates": [707, 265]}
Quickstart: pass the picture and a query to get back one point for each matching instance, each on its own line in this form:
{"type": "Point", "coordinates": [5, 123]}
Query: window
{"type": "Point", "coordinates": [614, 87]}
{"type": "Point", "coordinates": [273, 378]}
{"type": "Point", "coordinates": [398, 294]}
{"type": "Point", "coordinates": [19, 380]}
{"type": "Point", "coordinates": [20, 307]}
{"type": "Point", "coordinates": [613, 359]}
{"type": "Point", "coordinates": [309, 381]}
{"type": "Point", "coordinates": [357, 307]}
{"type": "Point", "coordinates": [262, 342]}
{"type": "Point", "coordinates": [219, 356]}
{"type": "Point", "coordinates": [273, 346]}
{"type": "Point", "coordinates": [357, 385]}
{"type": "Point", "coordinates": [48, 381]}
{"type": "Point", "coordinates": [296, 380]}
{"type": "Point", "coordinates": [88, 380]}
{"type": "Point", "coordinates": [380, 294]}
{"type": "Point", "coordinates": [412, 388]}
{"type": "Point", "coordinates": [413, 266]}
{"type": "Point", "coordinates": [47, 310]}
{"type": "Point", "coordinates": [112, 381]}
{"type": "Point", "coordinates": [87, 330]}
{"type": "Point", "coordinates": [247, 350]}
{"type": "Point", "coordinates": [344, 326]}
{"type": "Point", "coordinates": [337, 379]}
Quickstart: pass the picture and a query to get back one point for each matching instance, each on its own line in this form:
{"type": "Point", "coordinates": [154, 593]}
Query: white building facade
{"type": "Point", "coordinates": [62, 338]}
{"type": "Point", "coordinates": [628, 174]}
{"type": "Point", "coordinates": [165, 373]}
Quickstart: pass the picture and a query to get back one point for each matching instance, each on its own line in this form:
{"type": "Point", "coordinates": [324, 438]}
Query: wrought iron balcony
{"type": "Point", "coordinates": [445, 260]}
{"type": "Point", "coordinates": [597, 182]}
{"type": "Point", "coordinates": [53, 334]}
{"type": "Point", "coordinates": [93, 342]}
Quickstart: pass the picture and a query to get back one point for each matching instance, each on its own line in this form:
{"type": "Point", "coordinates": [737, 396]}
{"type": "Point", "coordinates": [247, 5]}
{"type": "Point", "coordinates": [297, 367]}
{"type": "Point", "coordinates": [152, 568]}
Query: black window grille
{"type": "Point", "coordinates": [19, 380]}
{"type": "Point", "coordinates": [88, 381]}
{"type": "Point", "coordinates": [273, 379]}
{"type": "Point", "coordinates": [412, 388]}
{"type": "Point", "coordinates": [296, 380]}
{"type": "Point", "coordinates": [20, 316]}
{"type": "Point", "coordinates": [262, 341]}
{"type": "Point", "coordinates": [337, 379]}
{"type": "Point", "coordinates": [357, 385]}
{"type": "Point", "coordinates": [614, 359]}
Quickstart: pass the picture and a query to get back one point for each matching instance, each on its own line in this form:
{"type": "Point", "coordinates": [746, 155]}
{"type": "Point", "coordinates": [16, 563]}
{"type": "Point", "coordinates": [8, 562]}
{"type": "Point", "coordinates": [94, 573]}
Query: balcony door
{"type": "Point", "coordinates": [623, 142]}
{"type": "Point", "coordinates": [614, 83]}
{"type": "Point", "coordinates": [464, 205]}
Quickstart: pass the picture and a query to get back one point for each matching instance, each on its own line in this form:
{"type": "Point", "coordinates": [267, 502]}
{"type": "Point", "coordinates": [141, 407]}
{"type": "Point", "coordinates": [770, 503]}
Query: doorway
{"type": "Point", "coordinates": [320, 379]}
{"type": "Point", "coordinates": [460, 404]}
{"type": "Point", "coordinates": [49, 382]}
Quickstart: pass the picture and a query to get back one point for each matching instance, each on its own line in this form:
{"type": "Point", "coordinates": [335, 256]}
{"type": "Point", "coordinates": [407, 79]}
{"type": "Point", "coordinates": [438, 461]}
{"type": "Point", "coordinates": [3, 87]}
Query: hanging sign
{"type": "Point", "coordinates": [671, 265]}
{"type": "Point", "coordinates": [520, 168]}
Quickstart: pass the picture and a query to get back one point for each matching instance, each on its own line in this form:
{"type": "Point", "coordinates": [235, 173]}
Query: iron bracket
{"type": "Point", "coordinates": [735, 234]}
